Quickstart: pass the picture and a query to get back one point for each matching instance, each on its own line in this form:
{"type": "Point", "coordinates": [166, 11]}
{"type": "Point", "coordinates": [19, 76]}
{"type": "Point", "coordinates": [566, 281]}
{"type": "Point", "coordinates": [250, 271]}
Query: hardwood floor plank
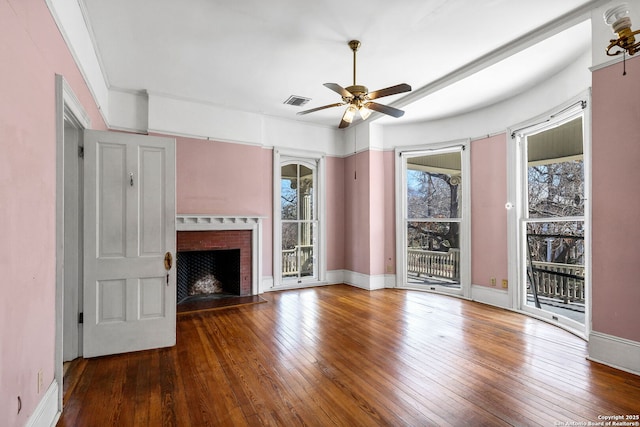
{"type": "Point", "coordinates": [342, 356]}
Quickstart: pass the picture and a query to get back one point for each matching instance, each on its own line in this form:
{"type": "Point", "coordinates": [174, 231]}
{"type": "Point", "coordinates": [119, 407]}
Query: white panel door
{"type": "Point", "coordinates": [129, 205]}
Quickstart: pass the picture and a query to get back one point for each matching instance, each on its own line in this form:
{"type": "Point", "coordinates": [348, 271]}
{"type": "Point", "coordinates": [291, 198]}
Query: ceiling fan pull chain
{"type": "Point", "coordinates": [355, 154]}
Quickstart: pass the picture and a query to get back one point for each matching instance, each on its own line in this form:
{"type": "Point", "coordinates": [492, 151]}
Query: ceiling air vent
{"type": "Point", "coordinates": [297, 101]}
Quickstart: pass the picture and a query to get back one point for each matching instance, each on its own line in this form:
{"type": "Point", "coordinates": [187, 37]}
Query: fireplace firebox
{"type": "Point", "coordinates": [213, 263]}
{"type": "Point", "coordinates": [208, 273]}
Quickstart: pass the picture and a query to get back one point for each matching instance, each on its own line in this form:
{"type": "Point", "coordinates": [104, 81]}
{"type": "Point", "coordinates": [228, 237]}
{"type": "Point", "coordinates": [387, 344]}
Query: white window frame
{"type": "Point", "coordinates": [517, 203]}
{"type": "Point", "coordinates": [316, 161]}
{"type": "Point", "coordinates": [464, 147]}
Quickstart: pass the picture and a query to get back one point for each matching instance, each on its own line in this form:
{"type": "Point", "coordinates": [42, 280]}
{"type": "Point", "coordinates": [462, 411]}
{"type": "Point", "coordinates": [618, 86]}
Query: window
{"type": "Point", "coordinates": [297, 233]}
{"type": "Point", "coordinates": [298, 221]}
{"type": "Point", "coordinates": [552, 172]}
{"type": "Point", "coordinates": [434, 227]}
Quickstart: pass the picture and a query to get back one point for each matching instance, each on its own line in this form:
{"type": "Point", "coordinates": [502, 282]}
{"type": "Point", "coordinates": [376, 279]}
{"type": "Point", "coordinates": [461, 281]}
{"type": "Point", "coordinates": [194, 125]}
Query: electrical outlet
{"type": "Point", "coordinates": [40, 381]}
{"type": "Point", "coordinates": [493, 281]}
{"type": "Point", "coordinates": [505, 283]}
{"type": "Point", "coordinates": [389, 269]}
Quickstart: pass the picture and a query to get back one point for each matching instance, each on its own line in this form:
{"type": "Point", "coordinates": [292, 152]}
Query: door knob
{"type": "Point", "coordinates": [168, 261]}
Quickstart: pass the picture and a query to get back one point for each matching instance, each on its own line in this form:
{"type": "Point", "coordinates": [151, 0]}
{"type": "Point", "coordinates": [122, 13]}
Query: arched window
{"type": "Point", "coordinates": [297, 224]}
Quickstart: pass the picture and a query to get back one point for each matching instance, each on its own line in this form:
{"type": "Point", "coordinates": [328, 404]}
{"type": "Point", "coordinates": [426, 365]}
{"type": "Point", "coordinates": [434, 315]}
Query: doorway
{"type": "Point", "coordinates": [73, 238]}
{"type": "Point", "coordinates": [71, 119]}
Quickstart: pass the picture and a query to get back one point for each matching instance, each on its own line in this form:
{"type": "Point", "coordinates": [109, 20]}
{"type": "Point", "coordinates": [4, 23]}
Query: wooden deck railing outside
{"type": "Point", "coordinates": [424, 263]}
{"type": "Point", "coordinates": [564, 282]}
{"type": "Point", "coordinates": [290, 262]}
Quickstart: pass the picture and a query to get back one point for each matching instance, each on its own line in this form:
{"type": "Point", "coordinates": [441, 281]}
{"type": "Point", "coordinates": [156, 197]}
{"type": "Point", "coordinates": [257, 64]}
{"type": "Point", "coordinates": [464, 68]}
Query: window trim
{"type": "Point", "coordinates": [315, 160]}
{"type": "Point", "coordinates": [464, 147]}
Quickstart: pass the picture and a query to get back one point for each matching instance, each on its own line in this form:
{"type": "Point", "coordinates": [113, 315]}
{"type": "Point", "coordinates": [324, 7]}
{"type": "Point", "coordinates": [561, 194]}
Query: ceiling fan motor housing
{"type": "Point", "coordinates": [359, 93]}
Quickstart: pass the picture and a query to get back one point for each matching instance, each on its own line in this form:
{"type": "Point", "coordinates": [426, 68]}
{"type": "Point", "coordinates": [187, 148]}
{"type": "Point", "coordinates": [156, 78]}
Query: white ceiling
{"type": "Point", "coordinates": [251, 55]}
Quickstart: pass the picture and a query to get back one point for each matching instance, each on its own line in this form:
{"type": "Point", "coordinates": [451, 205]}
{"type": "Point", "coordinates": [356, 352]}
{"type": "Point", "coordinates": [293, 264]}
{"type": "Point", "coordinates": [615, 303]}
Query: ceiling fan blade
{"type": "Point", "coordinates": [337, 104]}
{"type": "Point", "coordinates": [392, 90]}
{"type": "Point", "coordinates": [385, 109]}
{"type": "Point", "coordinates": [339, 90]}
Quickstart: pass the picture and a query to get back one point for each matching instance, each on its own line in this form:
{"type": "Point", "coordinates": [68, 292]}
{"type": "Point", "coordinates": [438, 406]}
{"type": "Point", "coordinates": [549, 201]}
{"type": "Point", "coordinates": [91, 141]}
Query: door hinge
{"type": "Point", "coordinates": [81, 151]}
{"type": "Point", "coordinates": [81, 318]}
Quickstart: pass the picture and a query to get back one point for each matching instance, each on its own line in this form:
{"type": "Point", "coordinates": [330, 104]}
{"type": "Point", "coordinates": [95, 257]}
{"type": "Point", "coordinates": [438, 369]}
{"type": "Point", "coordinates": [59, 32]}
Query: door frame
{"type": "Point", "coordinates": [579, 105]}
{"type": "Point", "coordinates": [465, 214]}
{"type": "Point", "coordinates": [67, 107]}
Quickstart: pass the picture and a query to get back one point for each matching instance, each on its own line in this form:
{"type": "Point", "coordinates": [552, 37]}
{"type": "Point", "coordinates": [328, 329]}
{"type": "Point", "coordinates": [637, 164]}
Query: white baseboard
{"type": "Point", "coordinates": [47, 412]}
{"type": "Point", "coordinates": [335, 277]}
{"type": "Point", "coordinates": [360, 280]}
{"type": "Point", "coordinates": [389, 280]}
{"type": "Point", "coordinates": [491, 296]}
{"type": "Point", "coordinates": [266, 285]}
{"type": "Point", "coordinates": [616, 352]}
{"type": "Point", "coordinates": [293, 285]}
{"type": "Point", "coordinates": [364, 281]}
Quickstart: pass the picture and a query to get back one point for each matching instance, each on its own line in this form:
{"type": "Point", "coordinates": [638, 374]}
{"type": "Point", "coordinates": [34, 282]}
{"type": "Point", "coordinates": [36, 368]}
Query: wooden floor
{"type": "Point", "coordinates": [342, 356]}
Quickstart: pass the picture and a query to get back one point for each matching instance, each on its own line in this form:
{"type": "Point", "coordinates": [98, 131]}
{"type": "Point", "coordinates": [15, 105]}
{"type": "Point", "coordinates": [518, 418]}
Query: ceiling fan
{"type": "Point", "coordinates": [359, 99]}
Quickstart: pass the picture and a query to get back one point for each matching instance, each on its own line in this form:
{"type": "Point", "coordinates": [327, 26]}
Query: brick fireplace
{"type": "Point", "coordinates": [229, 247]}
{"type": "Point", "coordinates": [214, 250]}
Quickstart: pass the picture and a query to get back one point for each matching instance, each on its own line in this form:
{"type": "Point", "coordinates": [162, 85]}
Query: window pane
{"type": "Point", "coordinates": [556, 189]}
{"type": "Point", "coordinates": [306, 248]}
{"type": "Point", "coordinates": [555, 264]}
{"type": "Point", "coordinates": [555, 171]}
{"type": "Point", "coordinates": [289, 192]}
{"type": "Point", "coordinates": [306, 193]}
{"type": "Point", "coordinates": [433, 253]}
{"type": "Point", "coordinates": [434, 187]}
{"type": "Point", "coordinates": [289, 249]}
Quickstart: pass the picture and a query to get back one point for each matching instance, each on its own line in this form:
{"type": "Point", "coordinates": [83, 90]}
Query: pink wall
{"type": "Point", "coordinates": [377, 179]}
{"type": "Point", "coordinates": [616, 177]}
{"type": "Point", "coordinates": [488, 214]}
{"type": "Point", "coordinates": [226, 179]}
{"type": "Point", "coordinates": [356, 221]}
{"type": "Point", "coordinates": [369, 191]}
{"type": "Point", "coordinates": [31, 53]}
{"type": "Point", "coordinates": [335, 179]}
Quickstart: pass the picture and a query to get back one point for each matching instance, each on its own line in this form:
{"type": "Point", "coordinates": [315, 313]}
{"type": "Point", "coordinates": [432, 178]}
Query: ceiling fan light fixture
{"type": "Point", "coordinates": [364, 112]}
{"type": "Point", "coordinates": [349, 114]}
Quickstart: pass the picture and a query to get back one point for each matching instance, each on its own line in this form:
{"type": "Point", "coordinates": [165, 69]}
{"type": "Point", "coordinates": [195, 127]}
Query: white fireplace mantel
{"type": "Point", "coordinates": [206, 222]}
{"type": "Point", "coordinates": [199, 222]}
